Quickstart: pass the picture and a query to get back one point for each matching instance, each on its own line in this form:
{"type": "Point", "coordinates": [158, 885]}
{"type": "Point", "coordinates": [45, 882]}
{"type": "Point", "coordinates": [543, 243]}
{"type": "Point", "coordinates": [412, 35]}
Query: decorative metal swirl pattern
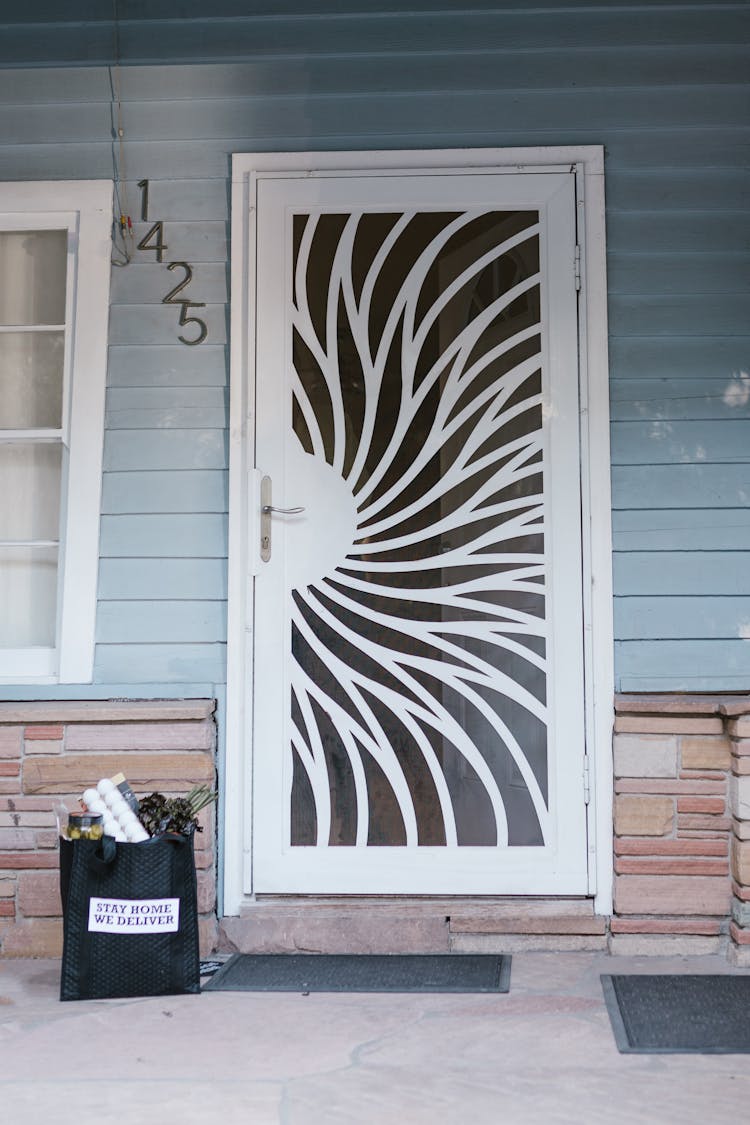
{"type": "Point", "coordinates": [419, 673]}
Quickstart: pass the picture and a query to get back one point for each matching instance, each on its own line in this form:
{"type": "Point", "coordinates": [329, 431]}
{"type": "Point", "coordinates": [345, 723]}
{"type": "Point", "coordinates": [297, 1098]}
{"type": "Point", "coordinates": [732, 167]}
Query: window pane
{"type": "Point", "coordinates": [31, 380]}
{"type": "Point", "coordinates": [28, 596]}
{"type": "Point", "coordinates": [30, 497]}
{"type": "Point", "coordinates": [32, 276]}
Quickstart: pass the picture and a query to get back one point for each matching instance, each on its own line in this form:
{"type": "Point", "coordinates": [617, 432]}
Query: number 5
{"type": "Point", "coordinates": [184, 319]}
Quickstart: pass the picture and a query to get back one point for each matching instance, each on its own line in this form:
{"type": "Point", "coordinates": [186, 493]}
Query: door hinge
{"type": "Point", "coordinates": [586, 780]}
{"type": "Point", "coordinates": [577, 266]}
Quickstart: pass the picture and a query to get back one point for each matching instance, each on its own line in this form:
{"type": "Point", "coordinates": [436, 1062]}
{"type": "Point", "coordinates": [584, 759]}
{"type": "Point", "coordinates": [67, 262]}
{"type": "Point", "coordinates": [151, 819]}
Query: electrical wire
{"type": "Point", "coordinates": [122, 228]}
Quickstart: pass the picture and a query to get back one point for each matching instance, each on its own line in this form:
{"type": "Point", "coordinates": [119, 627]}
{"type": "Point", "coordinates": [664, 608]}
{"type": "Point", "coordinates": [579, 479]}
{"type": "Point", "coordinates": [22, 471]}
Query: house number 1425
{"type": "Point", "coordinates": [153, 239]}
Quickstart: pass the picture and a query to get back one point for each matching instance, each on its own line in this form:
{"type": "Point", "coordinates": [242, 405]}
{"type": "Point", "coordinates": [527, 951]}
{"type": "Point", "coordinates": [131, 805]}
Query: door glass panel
{"type": "Point", "coordinates": [419, 672]}
{"type": "Point", "coordinates": [31, 380]}
{"type": "Point", "coordinates": [30, 472]}
{"type": "Point", "coordinates": [28, 596]}
{"type": "Point", "coordinates": [33, 267]}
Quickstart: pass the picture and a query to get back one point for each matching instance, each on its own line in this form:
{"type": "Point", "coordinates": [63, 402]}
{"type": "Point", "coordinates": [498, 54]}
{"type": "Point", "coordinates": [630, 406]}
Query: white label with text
{"type": "Point", "coordinates": [134, 916]}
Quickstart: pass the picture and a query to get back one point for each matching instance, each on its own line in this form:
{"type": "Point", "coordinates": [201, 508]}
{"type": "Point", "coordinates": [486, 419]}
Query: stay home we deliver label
{"type": "Point", "coordinates": [134, 916]}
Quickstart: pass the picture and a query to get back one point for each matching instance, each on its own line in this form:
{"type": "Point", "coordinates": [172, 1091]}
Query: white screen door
{"type": "Point", "coordinates": [418, 661]}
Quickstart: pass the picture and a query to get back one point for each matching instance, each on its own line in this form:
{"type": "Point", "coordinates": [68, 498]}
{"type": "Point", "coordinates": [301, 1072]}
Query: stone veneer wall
{"type": "Point", "coordinates": [739, 789]}
{"type": "Point", "coordinates": [53, 751]}
{"type": "Point", "coordinates": [682, 812]}
{"type": "Point", "coordinates": [682, 823]}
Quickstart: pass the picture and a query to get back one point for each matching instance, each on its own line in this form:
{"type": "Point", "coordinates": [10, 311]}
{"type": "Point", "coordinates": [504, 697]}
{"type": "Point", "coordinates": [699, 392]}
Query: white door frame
{"type": "Point", "coordinates": [595, 475]}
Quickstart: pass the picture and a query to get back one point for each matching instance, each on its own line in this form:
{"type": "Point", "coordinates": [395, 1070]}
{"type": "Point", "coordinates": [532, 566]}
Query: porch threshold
{"type": "Point", "coordinates": [374, 924]}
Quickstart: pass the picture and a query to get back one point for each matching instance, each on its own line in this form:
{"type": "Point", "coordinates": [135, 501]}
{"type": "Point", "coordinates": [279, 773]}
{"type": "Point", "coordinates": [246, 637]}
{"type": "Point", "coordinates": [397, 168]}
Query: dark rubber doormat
{"type": "Point", "coordinates": [679, 1014]}
{"type": "Point", "coordinates": [345, 972]}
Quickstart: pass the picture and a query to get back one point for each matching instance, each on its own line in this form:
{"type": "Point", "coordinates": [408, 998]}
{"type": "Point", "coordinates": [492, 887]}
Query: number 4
{"type": "Point", "coordinates": [157, 232]}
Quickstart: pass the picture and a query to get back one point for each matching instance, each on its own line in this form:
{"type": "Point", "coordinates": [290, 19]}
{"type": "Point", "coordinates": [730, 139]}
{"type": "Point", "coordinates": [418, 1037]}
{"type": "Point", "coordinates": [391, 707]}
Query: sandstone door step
{"type": "Point", "coordinates": [523, 923]}
{"type": "Point", "coordinates": [568, 905]}
{"type": "Point", "coordinates": [555, 925]}
{"type": "Point", "coordinates": [421, 925]}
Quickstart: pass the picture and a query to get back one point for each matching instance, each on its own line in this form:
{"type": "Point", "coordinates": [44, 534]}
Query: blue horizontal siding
{"type": "Point", "coordinates": [688, 618]}
{"type": "Point", "coordinates": [139, 664]}
{"type": "Point", "coordinates": [165, 449]}
{"type": "Point", "coordinates": [626, 148]}
{"type": "Point", "coordinates": [657, 442]}
{"type": "Point", "coordinates": [645, 229]}
{"type": "Point", "coordinates": [673, 573]}
{"type": "Point", "coordinates": [695, 665]}
{"type": "Point", "coordinates": [661, 86]}
{"type": "Point", "coordinates": [491, 69]}
{"type": "Point", "coordinates": [159, 324]}
{"type": "Point", "coordinates": [357, 31]}
{"type": "Point", "coordinates": [652, 190]}
{"type": "Point", "coordinates": [709, 228]}
{"type": "Point", "coordinates": [653, 487]}
{"type": "Point", "coordinates": [137, 408]}
{"type": "Point", "coordinates": [680, 399]}
{"type": "Point", "coordinates": [682, 529]}
{"type": "Point", "coordinates": [149, 11]}
{"type": "Point", "coordinates": [719, 147]}
{"type": "Point", "coordinates": [171, 417]}
{"type": "Point", "coordinates": [169, 364]}
{"type": "Point", "coordinates": [164, 491]}
{"type": "Point", "coordinates": [162, 579]}
{"type": "Point", "coordinates": [164, 536]}
{"type": "Point", "coordinates": [310, 116]}
{"type": "Point", "coordinates": [665, 273]}
{"type": "Point", "coordinates": [686, 314]}
{"type": "Point", "coordinates": [192, 199]}
{"type": "Point", "coordinates": [154, 689]}
{"type": "Point", "coordinates": [709, 357]}
{"type": "Point", "coordinates": [171, 622]}
{"type": "Point", "coordinates": [144, 281]}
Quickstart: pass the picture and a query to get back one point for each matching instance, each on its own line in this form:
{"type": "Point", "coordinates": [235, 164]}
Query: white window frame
{"type": "Point", "coordinates": [84, 208]}
{"type": "Point", "coordinates": [588, 162]}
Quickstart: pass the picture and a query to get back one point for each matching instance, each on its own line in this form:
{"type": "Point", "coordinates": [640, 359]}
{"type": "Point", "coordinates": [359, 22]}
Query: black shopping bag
{"type": "Point", "coordinates": [130, 918]}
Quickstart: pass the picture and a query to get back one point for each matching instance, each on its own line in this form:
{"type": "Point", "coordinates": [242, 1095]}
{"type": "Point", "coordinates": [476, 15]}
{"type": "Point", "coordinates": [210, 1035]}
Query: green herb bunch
{"type": "Point", "coordinates": [158, 813]}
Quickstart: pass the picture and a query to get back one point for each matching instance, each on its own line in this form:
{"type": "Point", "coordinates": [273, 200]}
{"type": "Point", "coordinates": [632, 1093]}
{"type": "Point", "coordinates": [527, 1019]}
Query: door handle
{"type": "Point", "coordinates": [266, 511]}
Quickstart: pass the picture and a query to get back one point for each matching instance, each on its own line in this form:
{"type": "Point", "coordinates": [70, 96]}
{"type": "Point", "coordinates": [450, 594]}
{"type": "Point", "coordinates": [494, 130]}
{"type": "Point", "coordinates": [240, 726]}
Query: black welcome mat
{"type": "Point", "coordinates": [690, 1014]}
{"type": "Point", "coordinates": [354, 972]}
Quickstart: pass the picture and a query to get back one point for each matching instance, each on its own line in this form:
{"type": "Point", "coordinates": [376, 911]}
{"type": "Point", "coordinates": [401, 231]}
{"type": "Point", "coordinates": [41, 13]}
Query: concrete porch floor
{"type": "Point", "coordinates": [544, 1053]}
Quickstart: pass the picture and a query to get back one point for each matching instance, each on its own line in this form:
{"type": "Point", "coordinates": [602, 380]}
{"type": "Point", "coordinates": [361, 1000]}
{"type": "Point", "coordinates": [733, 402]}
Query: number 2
{"type": "Point", "coordinates": [170, 297]}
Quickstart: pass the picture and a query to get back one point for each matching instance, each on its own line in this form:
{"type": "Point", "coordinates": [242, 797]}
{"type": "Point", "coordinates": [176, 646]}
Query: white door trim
{"type": "Point", "coordinates": [595, 472]}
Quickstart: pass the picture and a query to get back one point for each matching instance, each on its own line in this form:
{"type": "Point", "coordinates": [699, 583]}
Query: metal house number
{"type": "Point", "coordinates": [153, 239]}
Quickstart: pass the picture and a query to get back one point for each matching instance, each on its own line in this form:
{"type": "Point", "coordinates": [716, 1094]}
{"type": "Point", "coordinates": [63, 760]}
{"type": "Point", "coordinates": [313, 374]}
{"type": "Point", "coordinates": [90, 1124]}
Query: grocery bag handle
{"type": "Point", "coordinates": [103, 855]}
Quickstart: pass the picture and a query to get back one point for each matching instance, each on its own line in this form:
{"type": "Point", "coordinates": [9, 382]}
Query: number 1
{"type": "Point", "coordinates": [143, 185]}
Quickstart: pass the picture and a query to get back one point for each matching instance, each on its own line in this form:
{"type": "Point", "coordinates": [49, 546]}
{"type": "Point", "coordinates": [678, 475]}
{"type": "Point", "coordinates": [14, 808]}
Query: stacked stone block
{"type": "Point", "coordinates": [51, 752]}
{"type": "Point", "coordinates": [672, 823]}
{"type": "Point", "coordinates": [739, 734]}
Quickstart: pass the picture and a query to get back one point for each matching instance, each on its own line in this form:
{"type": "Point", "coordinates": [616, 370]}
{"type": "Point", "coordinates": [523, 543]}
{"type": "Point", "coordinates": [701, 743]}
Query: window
{"type": "Point", "coordinates": [54, 298]}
